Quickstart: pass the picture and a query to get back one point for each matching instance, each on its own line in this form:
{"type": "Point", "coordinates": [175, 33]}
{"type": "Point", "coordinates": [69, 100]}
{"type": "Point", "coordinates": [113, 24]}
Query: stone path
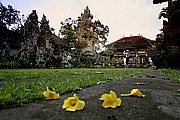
{"type": "Point", "coordinates": [161, 102]}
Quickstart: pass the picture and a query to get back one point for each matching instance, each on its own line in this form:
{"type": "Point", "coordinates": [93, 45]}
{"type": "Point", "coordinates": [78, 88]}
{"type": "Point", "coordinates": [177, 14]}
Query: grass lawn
{"type": "Point", "coordinates": [172, 73]}
{"type": "Point", "coordinates": [14, 74]}
{"type": "Point", "coordinates": [18, 86]}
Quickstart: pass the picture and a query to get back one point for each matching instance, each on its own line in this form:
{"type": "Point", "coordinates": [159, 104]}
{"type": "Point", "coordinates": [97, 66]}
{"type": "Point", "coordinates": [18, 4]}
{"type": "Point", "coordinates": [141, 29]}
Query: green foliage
{"type": "Point", "coordinates": [67, 33]}
{"type": "Point", "coordinates": [10, 23]}
{"type": "Point", "coordinates": [163, 13]}
{"type": "Point", "coordinates": [26, 59]}
{"type": "Point", "coordinates": [87, 60]}
{"type": "Point", "coordinates": [8, 15]}
{"type": "Point", "coordinates": [102, 33]}
{"type": "Point", "coordinates": [172, 73]}
{"type": "Point", "coordinates": [15, 74]}
{"type": "Point", "coordinates": [45, 32]}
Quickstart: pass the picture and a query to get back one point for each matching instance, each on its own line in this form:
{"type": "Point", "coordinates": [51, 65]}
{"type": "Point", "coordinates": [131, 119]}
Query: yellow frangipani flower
{"type": "Point", "coordinates": [73, 103]}
{"type": "Point", "coordinates": [110, 100]}
{"type": "Point", "coordinates": [134, 92]}
{"type": "Point", "coordinates": [50, 94]}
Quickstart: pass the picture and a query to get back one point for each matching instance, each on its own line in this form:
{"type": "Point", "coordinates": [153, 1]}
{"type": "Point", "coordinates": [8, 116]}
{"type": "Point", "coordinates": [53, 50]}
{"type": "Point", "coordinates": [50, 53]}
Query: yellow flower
{"type": "Point", "coordinates": [110, 100]}
{"type": "Point", "coordinates": [134, 92]}
{"type": "Point", "coordinates": [73, 103]}
{"type": "Point", "coordinates": [50, 94]}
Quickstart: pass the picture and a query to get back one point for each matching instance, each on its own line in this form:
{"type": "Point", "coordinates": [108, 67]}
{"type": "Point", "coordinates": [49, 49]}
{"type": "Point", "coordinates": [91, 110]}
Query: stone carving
{"type": "Point", "coordinates": [85, 31]}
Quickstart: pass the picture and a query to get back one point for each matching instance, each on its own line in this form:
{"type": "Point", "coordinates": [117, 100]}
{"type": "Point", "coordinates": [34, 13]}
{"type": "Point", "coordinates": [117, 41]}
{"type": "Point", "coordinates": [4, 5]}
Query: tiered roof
{"type": "Point", "coordinates": [130, 42]}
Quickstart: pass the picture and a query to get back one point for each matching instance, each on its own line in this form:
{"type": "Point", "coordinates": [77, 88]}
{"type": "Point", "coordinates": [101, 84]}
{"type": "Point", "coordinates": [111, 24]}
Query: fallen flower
{"type": "Point", "coordinates": [134, 92]}
{"type": "Point", "coordinates": [50, 94]}
{"type": "Point", "coordinates": [73, 103]}
{"type": "Point", "coordinates": [110, 100]}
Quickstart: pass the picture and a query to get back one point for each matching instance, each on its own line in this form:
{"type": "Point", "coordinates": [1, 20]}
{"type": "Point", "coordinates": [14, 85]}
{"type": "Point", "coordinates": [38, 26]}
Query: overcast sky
{"type": "Point", "coordinates": [123, 17]}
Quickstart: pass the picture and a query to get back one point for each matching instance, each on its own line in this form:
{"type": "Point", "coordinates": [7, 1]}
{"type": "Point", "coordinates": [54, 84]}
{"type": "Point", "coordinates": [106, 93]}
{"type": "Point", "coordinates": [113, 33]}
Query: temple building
{"type": "Point", "coordinates": [138, 47]}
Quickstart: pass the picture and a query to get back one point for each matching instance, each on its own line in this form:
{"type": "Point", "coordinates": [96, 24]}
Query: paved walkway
{"type": "Point", "coordinates": [161, 102]}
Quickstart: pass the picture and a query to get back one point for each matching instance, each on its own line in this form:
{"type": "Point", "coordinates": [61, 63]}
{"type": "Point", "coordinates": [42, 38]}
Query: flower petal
{"type": "Point", "coordinates": [124, 95]}
{"type": "Point", "coordinates": [113, 105]}
{"type": "Point", "coordinates": [80, 105]}
{"type": "Point", "coordinates": [66, 103]}
{"type": "Point", "coordinates": [113, 94]}
{"type": "Point", "coordinates": [53, 96]}
{"type": "Point", "coordinates": [118, 102]}
{"type": "Point", "coordinates": [56, 96]}
{"type": "Point", "coordinates": [70, 108]}
{"type": "Point", "coordinates": [76, 97]}
{"type": "Point", "coordinates": [45, 93]}
{"type": "Point", "coordinates": [105, 104]}
{"type": "Point", "coordinates": [105, 97]}
{"type": "Point", "coordinates": [47, 89]}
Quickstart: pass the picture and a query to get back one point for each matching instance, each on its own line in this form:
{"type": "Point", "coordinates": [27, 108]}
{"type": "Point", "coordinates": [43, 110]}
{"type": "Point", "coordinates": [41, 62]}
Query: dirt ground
{"type": "Point", "coordinates": [161, 102]}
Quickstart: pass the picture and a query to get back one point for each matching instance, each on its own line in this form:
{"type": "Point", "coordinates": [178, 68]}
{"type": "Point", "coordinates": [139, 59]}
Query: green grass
{"type": "Point", "coordinates": [16, 93]}
{"type": "Point", "coordinates": [172, 73]}
{"type": "Point", "coordinates": [15, 74]}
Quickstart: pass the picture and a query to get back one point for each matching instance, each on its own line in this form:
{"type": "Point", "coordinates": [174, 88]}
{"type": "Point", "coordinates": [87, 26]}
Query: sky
{"type": "Point", "coordinates": [123, 17]}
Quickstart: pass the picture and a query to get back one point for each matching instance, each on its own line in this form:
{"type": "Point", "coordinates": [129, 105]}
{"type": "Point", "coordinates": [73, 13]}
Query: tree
{"type": "Point", "coordinates": [30, 38]}
{"type": "Point", "coordinates": [163, 13]}
{"type": "Point", "coordinates": [10, 33]}
{"type": "Point", "coordinates": [45, 32]}
{"type": "Point", "coordinates": [67, 33]}
{"type": "Point", "coordinates": [31, 32]}
{"type": "Point", "coordinates": [70, 44]}
{"type": "Point", "coordinates": [9, 17]}
{"type": "Point", "coordinates": [10, 24]}
{"type": "Point", "coordinates": [102, 32]}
